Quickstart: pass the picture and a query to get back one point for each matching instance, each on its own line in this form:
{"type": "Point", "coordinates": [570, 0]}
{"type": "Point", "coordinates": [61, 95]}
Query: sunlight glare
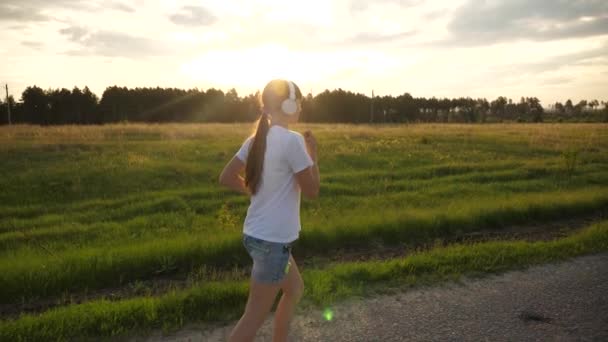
{"type": "Point", "coordinates": [251, 68]}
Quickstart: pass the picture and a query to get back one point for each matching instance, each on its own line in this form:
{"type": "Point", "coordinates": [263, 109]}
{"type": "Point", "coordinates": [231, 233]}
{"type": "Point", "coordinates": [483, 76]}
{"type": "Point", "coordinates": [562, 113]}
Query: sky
{"type": "Point", "coordinates": [551, 49]}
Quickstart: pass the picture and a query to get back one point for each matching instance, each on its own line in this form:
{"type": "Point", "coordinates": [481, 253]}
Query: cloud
{"type": "Point", "coordinates": [111, 44]}
{"type": "Point", "coordinates": [33, 45]}
{"type": "Point", "coordinates": [75, 33]}
{"type": "Point", "coordinates": [193, 16]}
{"type": "Point", "coordinates": [558, 80]}
{"type": "Point", "coordinates": [480, 22]}
{"type": "Point", "coordinates": [436, 14]}
{"type": "Point", "coordinates": [376, 38]}
{"type": "Point", "coordinates": [525, 72]}
{"type": "Point", "coordinates": [362, 5]}
{"type": "Point", "coordinates": [121, 7]}
{"type": "Point", "coordinates": [560, 61]}
{"type": "Point", "coordinates": [34, 10]}
{"type": "Point", "coordinates": [20, 13]}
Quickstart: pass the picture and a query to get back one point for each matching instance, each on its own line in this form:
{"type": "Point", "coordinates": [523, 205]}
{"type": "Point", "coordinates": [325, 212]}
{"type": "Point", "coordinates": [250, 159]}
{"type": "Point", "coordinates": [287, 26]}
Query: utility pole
{"type": "Point", "coordinates": [8, 105]}
{"type": "Point", "coordinates": [371, 109]}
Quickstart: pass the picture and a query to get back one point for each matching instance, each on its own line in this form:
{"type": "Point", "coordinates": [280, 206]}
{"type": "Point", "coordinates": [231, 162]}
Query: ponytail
{"type": "Point", "coordinates": [255, 159]}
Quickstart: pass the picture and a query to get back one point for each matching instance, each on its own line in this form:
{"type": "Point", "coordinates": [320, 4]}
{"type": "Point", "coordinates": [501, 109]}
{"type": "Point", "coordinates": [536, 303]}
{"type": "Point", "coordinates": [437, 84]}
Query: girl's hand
{"type": "Point", "coordinates": [311, 145]}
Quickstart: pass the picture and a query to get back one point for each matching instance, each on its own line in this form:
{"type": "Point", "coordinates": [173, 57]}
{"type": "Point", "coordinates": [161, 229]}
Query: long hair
{"type": "Point", "coordinates": [274, 93]}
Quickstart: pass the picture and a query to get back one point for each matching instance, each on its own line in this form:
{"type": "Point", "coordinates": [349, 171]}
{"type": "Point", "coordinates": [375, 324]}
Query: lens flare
{"type": "Point", "coordinates": [328, 314]}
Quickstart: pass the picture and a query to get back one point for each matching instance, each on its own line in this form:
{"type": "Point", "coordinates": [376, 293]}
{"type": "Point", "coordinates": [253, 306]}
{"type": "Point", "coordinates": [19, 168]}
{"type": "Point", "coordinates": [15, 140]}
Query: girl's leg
{"type": "Point", "coordinates": [261, 298]}
{"type": "Point", "coordinates": [293, 288]}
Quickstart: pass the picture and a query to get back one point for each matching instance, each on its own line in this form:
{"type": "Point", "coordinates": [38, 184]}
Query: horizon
{"type": "Point", "coordinates": [477, 49]}
{"type": "Point", "coordinates": [243, 96]}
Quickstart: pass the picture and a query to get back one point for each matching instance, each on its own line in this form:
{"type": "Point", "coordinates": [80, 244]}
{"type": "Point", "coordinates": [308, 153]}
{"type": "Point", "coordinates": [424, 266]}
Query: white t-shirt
{"type": "Point", "coordinates": [274, 212]}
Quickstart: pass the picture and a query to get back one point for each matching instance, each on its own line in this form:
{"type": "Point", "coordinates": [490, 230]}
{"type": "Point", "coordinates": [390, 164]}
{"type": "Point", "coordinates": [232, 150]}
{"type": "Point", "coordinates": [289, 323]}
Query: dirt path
{"type": "Point", "coordinates": [556, 302]}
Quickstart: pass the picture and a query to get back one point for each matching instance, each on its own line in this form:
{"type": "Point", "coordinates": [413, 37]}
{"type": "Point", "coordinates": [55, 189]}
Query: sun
{"type": "Point", "coordinates": [247, 68]}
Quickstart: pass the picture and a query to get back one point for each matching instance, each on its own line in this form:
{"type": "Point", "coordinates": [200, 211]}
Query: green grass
{"type": "Point", "coordinates": [86, 208]}
{"type": "Point", "coordinates": [98, 267]}
{"type": "Point", "coordinates": [225, 300]}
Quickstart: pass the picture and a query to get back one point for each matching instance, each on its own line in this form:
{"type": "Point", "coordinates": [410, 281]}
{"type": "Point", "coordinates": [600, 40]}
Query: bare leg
{"type": "Point", "coordinates": [293, 288]}
{"type": "Point", "coordinates": [261, 298]}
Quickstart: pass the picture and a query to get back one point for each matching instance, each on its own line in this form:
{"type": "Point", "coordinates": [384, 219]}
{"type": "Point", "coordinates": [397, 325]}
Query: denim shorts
{"type": "Point", "coordinates": [270, 259]}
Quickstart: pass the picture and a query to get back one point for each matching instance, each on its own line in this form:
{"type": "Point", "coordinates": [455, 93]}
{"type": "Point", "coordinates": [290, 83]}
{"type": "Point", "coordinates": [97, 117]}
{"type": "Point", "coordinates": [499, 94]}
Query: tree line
{"type": "Point", "coordinates": [162, 105]}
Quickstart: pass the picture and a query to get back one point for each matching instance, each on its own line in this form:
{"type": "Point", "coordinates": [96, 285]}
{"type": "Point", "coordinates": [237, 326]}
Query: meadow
{"type": "Point", "coordinates": [89, 212]}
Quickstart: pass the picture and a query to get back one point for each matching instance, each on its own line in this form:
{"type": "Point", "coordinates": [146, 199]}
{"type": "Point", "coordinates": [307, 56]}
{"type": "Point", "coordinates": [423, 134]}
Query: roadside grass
{"type": "Point", "coordinates": [221, 301]}
{"type": "Point", "coordinates": [32, 277]}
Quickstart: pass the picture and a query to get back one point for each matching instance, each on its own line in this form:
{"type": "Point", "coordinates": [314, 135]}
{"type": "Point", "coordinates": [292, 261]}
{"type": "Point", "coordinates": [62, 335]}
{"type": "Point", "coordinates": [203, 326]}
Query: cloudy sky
{"type": "Point", "coordinates": [552, 49]}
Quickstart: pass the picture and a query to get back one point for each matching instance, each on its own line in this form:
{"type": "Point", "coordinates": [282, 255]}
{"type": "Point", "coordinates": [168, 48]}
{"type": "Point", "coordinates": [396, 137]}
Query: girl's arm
{"type": "Point", "coordinates": [308, 179]}
{"type": "Point", "coordinates": [231, 177]}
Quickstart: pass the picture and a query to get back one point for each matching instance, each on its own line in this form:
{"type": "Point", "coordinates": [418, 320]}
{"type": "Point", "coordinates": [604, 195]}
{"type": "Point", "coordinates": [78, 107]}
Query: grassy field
{"type": "Point", "coordinates": [86, 209]}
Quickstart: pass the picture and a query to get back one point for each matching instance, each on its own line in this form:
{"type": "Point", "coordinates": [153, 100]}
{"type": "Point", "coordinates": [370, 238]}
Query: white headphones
{"type": "Point", "coordinates": [289, 105]}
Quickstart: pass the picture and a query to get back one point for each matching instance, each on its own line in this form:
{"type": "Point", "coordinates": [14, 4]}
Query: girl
{"type": "Point", "coordinates": [279, 164]}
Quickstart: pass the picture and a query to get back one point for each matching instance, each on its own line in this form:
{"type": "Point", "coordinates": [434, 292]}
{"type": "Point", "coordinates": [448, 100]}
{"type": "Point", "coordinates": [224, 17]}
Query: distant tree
{"type": "Point", "coordinates": [569, 107]}
{"type": "Point", "coordinates": [36, 107]}
{"type": "Point", "coordinates": [15, 115]}
{"type": "Point", "coordinates": [76, 112]}
{"type": "Point", "coordinates": [535, 109]}
{"type": "Point", "coordinates": [344, 106]}
{"type": "Point", "coordinates": [580, 107]}
{"type": "Point", "coordinates": [233, 109]}
{"type": "Point", "coordinates": [498, 107]}
{"type": "Point", "coordinates": [582, 104]}
{"type": "Point", "coordinates": [60, 106]}
{"type": "Point", "coordinates": [593, 103]}
{"type": "Point", "coordinates": [214, 101]}
{"type": "Point", "coordinates": [87, 106]}
{"type": "Point", "coordinates": [110, 105]}
{"type": "Point", "coordinates": [483, 108]}
{"type": "Point", "coordinates": [406, 108]}
{"type": "Point", "coordinates": [81, 106]}
{"type": "Point", "coordinates": [307, 107]}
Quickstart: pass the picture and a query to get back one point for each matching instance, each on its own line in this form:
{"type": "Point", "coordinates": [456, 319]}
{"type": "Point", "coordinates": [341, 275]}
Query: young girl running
{"type": "Point", "coordinates": [279, 164]}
